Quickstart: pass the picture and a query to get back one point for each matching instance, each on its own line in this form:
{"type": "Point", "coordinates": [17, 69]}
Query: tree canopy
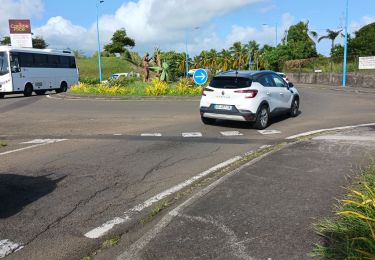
{"type": "Point", "coordinates": [119, 42]}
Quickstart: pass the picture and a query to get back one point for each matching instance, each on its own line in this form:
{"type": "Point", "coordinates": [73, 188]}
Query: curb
{"type": "Point", "coordinates": [68, 95]}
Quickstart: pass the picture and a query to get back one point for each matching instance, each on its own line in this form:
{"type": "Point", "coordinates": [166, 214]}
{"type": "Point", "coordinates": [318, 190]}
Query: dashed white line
{"type": "Point", "coordinates": [231, 133]}
{"type": "Point", "coordinates": [192, 134]}
{"type": "Point", "coordinates": [151, 134]}
{"type": "Point", "coordinates": [107, 226]}
{"type": "Point", "coordinates": [269, 132]}
{"type": "Point", "coordinates": [7, 247]}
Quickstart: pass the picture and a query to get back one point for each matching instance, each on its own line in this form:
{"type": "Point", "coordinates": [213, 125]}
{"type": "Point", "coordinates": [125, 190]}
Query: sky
{"type": "Point", "coordinates": [170, 24]}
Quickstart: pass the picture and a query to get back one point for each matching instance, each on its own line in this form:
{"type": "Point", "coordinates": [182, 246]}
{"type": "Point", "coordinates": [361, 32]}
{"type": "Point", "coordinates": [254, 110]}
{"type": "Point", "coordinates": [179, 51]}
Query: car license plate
{"type": "Point", "coordinates": [223, 107]}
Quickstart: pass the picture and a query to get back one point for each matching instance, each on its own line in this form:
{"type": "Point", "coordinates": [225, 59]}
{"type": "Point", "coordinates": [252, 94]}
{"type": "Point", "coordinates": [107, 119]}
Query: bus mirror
{"type": "Point", "coordinates": [16, 69]}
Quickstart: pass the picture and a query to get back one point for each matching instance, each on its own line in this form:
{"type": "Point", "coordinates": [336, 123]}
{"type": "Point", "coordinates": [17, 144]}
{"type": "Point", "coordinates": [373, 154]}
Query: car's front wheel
{"type": "Point", "coordinates": [208, 121]}
{"type": "Point", "coordinates": [294, 108]}
{"type": "Point", "coordinates": [262, 118]}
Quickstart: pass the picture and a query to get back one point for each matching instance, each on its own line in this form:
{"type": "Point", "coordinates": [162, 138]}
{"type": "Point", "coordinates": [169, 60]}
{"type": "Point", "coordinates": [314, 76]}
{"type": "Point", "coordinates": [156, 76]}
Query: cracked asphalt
{"type": "Point", "coordinates": [53, 194]}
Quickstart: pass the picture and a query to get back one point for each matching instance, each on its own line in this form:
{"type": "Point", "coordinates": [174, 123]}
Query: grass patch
{"type": "Point", "coordinates": [88, 67]}
{"type": "Point", "coordinates": [2, 144]}
{"type": "Point", "coordinates": [351, 233]}
{"type": "Point", "coordinates": [110, 243]}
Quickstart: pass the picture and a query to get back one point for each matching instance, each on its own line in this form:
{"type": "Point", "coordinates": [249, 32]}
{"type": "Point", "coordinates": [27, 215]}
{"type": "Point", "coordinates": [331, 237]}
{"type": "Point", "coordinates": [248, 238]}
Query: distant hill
{"type": "Point", "coordinates": [88, 67]}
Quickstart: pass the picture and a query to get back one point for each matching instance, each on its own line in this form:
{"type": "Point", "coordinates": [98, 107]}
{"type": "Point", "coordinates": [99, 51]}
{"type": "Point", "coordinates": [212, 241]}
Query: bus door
{"type": "Point", "coordinates": [17, 77]}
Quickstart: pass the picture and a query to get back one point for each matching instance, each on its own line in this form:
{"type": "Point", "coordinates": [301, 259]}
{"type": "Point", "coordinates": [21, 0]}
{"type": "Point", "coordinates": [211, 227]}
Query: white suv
{"type": "Point", "coordinates": [252, 96]}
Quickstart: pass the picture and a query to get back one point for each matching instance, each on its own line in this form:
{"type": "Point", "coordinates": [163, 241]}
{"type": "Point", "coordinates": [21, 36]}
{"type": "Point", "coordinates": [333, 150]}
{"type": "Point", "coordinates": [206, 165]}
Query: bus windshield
{"type": "Point", "coordinates": [4, 65]}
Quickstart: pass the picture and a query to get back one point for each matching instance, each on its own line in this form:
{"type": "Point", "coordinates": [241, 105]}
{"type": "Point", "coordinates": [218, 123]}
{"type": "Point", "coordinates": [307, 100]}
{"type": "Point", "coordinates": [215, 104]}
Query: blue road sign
{"type": "Point", "coordinates": [200, 76]}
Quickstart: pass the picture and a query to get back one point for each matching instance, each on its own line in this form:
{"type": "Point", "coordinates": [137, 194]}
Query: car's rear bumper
{"type": "Point", "coordinates": [235, 114]}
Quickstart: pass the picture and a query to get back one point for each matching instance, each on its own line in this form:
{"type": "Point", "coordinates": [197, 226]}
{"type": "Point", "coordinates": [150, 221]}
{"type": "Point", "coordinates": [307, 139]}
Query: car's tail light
{"type": "Point", "coordinates": [206, 90]}
{"type": "Point", "coordinates": [251, 93]}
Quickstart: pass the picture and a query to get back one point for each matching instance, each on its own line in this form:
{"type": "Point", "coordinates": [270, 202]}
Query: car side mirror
{"type": "Point", "coordinates": [290, 85]}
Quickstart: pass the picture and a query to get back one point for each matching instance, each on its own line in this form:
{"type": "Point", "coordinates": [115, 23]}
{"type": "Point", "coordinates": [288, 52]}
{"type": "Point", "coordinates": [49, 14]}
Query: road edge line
{"type": "Point", "coordinates": [327, 129]}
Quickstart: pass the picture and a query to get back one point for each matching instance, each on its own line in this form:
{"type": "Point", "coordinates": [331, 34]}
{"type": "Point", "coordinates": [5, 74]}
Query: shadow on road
{"type": "Point", "coordinates": [17, 191]}
{"type": "Point", "coordinates": [248, 125]}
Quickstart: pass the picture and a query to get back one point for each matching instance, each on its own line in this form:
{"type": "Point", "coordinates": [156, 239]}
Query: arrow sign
{"type": "Point", "coordinates": [200, 76]}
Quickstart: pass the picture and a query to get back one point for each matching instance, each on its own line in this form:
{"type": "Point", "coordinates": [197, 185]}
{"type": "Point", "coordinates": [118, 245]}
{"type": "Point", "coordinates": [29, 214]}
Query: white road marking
{"type": "Point", "coordinates": [328, 129]}
{"type": "Point", "coordinates": [231, 133]}
{"type": "Point", "coordinates": [99, 231]}
{"type": "Point", "coordinates": [151, 134]}
{"type": "Point", "coordinates": [7, 247]}
{"type": "Point", "coordinates": [269, 132]}
{"type": "Point", "coordinates": [103, 229]}
{"type": "Point", "coordinates": [345, 138]}
{"type": "Point", "coordinates": [192, 134]}
{"type": "Point", "coordinates": [44, 141]}
{"type": "Point", "coordinates": [36, 142]}
{"type": "Point", "coordinates": [265, 146]}
{"type": "Point", "coordinates": [117, 134]}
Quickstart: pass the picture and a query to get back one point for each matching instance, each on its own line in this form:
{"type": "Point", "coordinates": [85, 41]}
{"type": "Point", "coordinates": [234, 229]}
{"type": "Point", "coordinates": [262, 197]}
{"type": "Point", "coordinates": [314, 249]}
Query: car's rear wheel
{"type": "Point", "coordinates": [208, 121]}
{"type": "Point", "coordinates": [294, 108]}
{"type": "Point", "coordinates": [262, 119]}
{"type": "Point", "coordinates": [63, 87]}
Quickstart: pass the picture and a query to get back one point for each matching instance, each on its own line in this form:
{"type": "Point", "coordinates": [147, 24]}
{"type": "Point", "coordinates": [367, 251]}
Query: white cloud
{"type": "Point", "coordinates": [268, 8]}
{"type": "Point", "coordinates": [61, 33]}
{"type": "Point", "coordinates": [162, 23]}
{"type": "Point", "coordinates": [356, 25]}
{"type": "Point", "coordinates": [266, 35]}
{"type": "Point", "coordinates": [18, 9]}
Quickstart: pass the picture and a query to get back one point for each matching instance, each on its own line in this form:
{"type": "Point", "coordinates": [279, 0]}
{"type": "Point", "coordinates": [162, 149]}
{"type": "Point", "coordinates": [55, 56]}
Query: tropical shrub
{"type": "Point", "coordinates": [157, 88]}
{"type": "Point", "coordinates": [351, 235]}
{"type": "Point", "coordinates": [186, 87]}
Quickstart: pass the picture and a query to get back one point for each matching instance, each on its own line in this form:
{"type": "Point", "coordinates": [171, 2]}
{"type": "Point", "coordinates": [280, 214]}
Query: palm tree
{"type": "Point", "coordinates": [225, 60]}
{"type": "Point", "coordinates": [331, 35]}
{"type": "Point", "coordinates": [252, 48]}
{"type": "Point", "coordinates": [240, 55]}
{"type": "Point", "coordinates": [212, 59]}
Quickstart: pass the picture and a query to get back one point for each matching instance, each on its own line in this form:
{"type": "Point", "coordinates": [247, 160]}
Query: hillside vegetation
{"type": "Point", "coordinates": [88, 67]}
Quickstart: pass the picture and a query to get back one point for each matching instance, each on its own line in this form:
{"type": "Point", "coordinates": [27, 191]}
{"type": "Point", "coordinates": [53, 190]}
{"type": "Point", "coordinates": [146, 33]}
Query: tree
{"type": "Point", "coordinates": [39, 43]}
{"type": "Point", "coordinates": [240, 55]}
{"type": "Point", "coordinates": [300, 42]}
{"type": "Point", "coordinates": [252, 48]}
{"type": "Point", "coordinates": [119, 42]}
{"type": "Point", "coordinates": [331, 35]}
{"type": "Point", "coordinates": [78, 54]}
{"type": "Point", "coordinates": [225, 60]}
{"type": "Point", "coordinates": [363, 42]}
{"type": "Point", "coordinates": [5, 40]}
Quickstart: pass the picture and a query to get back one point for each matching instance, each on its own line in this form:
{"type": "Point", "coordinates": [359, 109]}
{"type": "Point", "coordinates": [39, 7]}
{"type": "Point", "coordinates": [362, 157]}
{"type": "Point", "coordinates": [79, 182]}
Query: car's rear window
{"type": "Point", "coordinates": [230, 82]}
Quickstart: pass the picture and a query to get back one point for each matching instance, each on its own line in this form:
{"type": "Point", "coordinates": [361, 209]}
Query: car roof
{"type": "Point", "coordinates": [244, 73]}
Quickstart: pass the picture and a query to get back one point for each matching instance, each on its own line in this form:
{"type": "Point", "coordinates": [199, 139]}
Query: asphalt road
{"type": "Point", "coordinates": [55, 191]}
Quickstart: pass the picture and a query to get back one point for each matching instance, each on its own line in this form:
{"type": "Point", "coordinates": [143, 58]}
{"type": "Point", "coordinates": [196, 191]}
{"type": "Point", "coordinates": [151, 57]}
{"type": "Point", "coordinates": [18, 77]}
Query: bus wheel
{"type": "Point", "coordinates": [28, 91]}
{"type": "Point", "coordinates": [63, 87]}
{"type": "Point", "coordinates": [40, 92]}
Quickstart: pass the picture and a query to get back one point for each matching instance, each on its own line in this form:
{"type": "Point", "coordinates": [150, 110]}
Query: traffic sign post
{"type": "Point", "coordinates": [200, 76]}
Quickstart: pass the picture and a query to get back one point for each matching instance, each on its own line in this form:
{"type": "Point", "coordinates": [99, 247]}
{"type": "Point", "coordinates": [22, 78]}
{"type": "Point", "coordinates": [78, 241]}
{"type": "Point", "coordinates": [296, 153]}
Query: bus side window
{"type": "Point", "coordinates": [14, 63]}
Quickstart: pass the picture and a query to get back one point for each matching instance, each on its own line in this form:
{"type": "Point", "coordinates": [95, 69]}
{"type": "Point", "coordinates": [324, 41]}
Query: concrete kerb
{"type": "Point", "coordinates": [71, 96]}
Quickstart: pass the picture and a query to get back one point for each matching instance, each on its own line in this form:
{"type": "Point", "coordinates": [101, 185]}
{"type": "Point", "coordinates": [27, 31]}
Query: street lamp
{"type": "Point", "coordinates": [345, 46]}
{"type": "Point", "coordinates": [275, 32]}
{"type": "Point", "coordinates": [98, 34]}
{"type": "Point", "coordinates": [187, 52]}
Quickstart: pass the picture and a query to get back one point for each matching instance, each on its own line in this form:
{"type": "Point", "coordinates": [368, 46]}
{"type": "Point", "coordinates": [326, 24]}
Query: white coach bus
{"type": "Point", "coordinates": [27, 70]}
